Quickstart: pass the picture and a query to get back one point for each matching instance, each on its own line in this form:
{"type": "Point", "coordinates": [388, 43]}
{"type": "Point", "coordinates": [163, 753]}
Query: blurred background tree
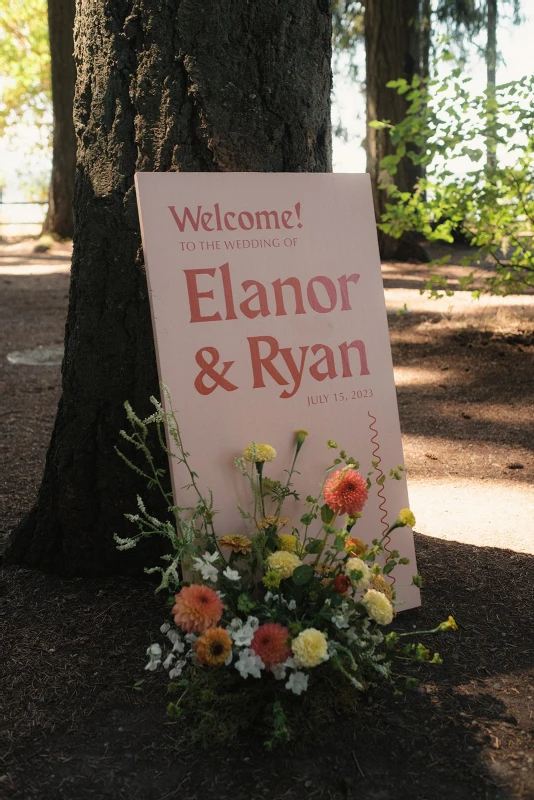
{"type": "Point", "coordinates": [400, 39]}
{"type": "Point", "coordinates": [37, 77]}
{"type": "Point", "coordinates": [24, 64]}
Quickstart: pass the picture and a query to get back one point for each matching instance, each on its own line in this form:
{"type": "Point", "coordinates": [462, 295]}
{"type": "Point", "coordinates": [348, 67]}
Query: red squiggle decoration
{"type": "Point", "coordinates": [382, 505]}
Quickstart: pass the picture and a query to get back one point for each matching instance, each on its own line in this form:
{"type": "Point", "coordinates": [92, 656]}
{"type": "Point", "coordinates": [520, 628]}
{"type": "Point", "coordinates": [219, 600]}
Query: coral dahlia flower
{"type": "Point", "coordinates": [197, 608]}
{"type": "Point", "coordinates": [213, 647]}
{"type": "Point", "coordinates": [270, 643]}
{"type": "Point", "coordinates": [346, 491]}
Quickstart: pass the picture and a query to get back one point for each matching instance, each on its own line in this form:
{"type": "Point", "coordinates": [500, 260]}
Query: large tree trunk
{"type": "Point", "coordinates": [189, 85]}
{"type": "Point", "coordinates": [59, 219]}
{"type": "Point", "coordinates": [392, 52]}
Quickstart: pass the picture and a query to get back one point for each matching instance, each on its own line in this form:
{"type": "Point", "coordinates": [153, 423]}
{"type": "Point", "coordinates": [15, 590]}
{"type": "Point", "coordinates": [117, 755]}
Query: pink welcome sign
{"type": "Point", "coordinates": [269, 316]}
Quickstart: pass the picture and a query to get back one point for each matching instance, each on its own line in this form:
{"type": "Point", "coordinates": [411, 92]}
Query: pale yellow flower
{"type": "Point", "coordinates": [285, 563]}
{"type": "Point", "coordinates": [357, 565]}
{"type": "Point", "coordinates": [310, 648]}
{"type": "Point", "coordinates": [378, 607]}
{"type": "Point", "coordinates": [259, 452]}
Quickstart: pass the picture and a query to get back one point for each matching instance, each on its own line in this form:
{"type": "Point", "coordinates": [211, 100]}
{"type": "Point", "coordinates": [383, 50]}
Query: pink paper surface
{"type": "Point", "coordinates": [311, 353]}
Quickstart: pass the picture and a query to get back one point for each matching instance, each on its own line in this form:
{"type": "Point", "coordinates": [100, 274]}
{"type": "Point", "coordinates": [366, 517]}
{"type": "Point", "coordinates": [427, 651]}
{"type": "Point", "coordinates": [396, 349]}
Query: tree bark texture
{"type": "Point", "coordinates": [187, 85]}
{"type": "Point", "coordinates": [392, 52]}
{"type": "Point", "coordinates": [59, 218]}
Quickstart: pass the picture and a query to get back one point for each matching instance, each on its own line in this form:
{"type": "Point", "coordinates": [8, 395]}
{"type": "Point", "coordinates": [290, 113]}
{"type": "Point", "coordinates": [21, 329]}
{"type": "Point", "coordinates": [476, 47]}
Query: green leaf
{"type": "Point", "coordinates": [314, 546]}
{"type": "Point", "coordinates": [379, 125]}
{"type": "Point", "coordinates": [390, 566]}
{"type": "Point", "coordinates": [245, 603]}
{"type": "Point", "coordinates": [339, 543]}
{"type": "Point", "coordinates": [302, 574]}
{"type": "Point", "coordinates": [174, 711]}
{"type": "Point", "coordinates": [327, 515]}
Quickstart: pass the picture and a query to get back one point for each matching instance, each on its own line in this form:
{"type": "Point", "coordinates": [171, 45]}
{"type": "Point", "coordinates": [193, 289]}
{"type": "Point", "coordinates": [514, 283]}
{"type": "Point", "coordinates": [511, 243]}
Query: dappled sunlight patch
{"type": "Point", "coordinates": [419, 376]}
{"type": "Point", "coordinates": [461, 303]}
{"type": "Point", "coordinates": [34, 269]}
{"type": "Point", "coordinates": [496, 412]}
{"type": "Point", "coordinates": [485, 513]}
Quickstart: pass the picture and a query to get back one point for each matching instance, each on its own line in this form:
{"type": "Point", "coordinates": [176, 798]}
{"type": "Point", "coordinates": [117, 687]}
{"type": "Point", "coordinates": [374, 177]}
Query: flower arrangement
{"type": "Point", "coordinates": [287, 604]}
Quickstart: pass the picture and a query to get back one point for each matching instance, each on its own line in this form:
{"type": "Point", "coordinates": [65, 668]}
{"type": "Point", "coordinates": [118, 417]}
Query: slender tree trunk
{"type": "Point", "coordinates": [392, 52]}
{"type": "Point", "coordinates": [189, 85]}
{"type": "Point", "coordinates": [59, 219]}
{"type": "Point", "coordinates": [491, 76]}
{"type": "Point", "coordinates": [426, 38]}
{"type": "Point", "coordinates": [425, 31]}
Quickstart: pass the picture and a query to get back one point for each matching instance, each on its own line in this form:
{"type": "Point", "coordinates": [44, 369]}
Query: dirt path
{"type": "Point", "coordinates": [76, 729]}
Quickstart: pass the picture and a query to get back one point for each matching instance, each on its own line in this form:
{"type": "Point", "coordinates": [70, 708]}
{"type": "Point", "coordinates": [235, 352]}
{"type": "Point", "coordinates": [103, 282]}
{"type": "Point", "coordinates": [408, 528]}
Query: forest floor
{"type": "Point", "coordinates": [76, 728]}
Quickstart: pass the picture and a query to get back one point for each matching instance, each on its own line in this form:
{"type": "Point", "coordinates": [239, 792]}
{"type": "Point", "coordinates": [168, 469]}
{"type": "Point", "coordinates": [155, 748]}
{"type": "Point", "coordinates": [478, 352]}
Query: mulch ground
{"type": "Point", "coordinates": [76, 728]}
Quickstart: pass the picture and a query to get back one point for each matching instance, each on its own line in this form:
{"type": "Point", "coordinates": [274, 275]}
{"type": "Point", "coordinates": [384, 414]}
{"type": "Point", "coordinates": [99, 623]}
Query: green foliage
{"type": "Point", "coordinates": [218, 708]}
{"type": "Point", "coordinates": [491, 206]}
{"type": "Point", "coordinates": [303, 574]}
{"type": "Point", "coordinates": [347, 30]}
{"type": "Point", "coordinates": [24, 63]}
{"type": "Point", "coordinates": [327, 514]}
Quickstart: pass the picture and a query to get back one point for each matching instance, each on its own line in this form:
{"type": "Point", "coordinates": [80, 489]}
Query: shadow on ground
{"type": "Point", "coordinates": [77, 729]}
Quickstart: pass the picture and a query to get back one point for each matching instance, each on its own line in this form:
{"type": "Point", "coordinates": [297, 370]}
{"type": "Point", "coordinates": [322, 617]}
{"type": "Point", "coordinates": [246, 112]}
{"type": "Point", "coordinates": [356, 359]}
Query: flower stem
{"type": "Point", "coordinates": [323, 545]}
{"type": "Point", "coordinates": [259, 467]}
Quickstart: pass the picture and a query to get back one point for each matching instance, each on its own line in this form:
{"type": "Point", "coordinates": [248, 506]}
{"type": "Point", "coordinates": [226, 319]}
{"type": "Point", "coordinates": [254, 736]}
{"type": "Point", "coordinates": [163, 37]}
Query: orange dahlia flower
{"type": "Point", "coordinates": [270, 643]}
{"type": "Point", "coordinates": [213, 647]}
{"type": "Point", "coordinates": [346, 491]}
{"type": "Point", "coordinates": [355, 546]}
{"type": "Point", "coordinates": [197, 608]}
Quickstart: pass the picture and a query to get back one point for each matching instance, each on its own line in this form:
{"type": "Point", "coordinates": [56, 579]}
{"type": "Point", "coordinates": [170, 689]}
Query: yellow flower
{"type": "Point", "coordinates": [301, 438]}
{"type": "Point", "coordinates": [310, 648]}
{"type": "Point", "coordinates": [285, 563]}
{"type": "Point", "coordinates": [378, 607]}
{"type": "Point", "coordinates": [405, 518]}
{"type": "Point", "coordinates": [448, 625]}
{"type": "Point", "coordinates": [236, 543]}
{"type": "Point", "coordinates": [287, 542]}
{"type": "Point", "coordinates": [379, 583]}
{"type": "Point", "coordinates": [259, 453]}
{"type": "Point", "coordinates": [271, 579]}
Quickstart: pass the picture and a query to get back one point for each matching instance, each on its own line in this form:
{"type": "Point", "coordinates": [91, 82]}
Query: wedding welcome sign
{"type": "Point", "coordinates": [269, 317]}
